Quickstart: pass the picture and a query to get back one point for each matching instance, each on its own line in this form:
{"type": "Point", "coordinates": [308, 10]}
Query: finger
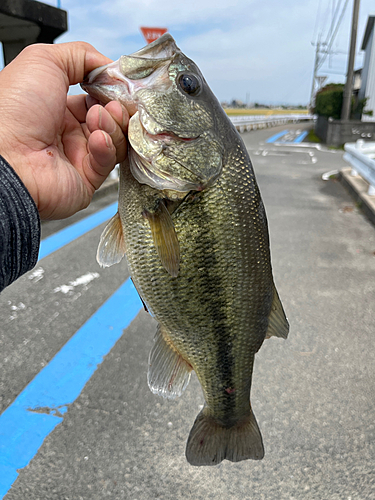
{"type": "Point", "coordinates": [112, 120]}
{"type": "Point", "coordinates": [85, 130]}
{"type": "Point", "coordinates": [100, 160]}
{"type": "Point", "coordinates": [76, 59]}
{"type": "Point", "coordinates": [119, 113]}
{"type": "Point", "coordinates": [77, 106]}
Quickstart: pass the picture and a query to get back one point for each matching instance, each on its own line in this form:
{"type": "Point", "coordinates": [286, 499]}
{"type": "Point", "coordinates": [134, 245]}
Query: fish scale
{"type": "Point", "coordinates": [211, 289]}
{"type": "Point", "coordinates": [194, 230]}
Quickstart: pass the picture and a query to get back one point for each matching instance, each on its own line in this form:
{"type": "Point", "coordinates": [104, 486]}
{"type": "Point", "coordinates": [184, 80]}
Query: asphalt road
{"type": "Point", "coordinates": [313, 395]}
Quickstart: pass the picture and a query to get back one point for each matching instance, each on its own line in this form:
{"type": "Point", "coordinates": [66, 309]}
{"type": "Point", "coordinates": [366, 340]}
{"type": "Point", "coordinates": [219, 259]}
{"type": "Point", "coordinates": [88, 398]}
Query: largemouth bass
{"type": "Point", "coordinates": [193, 227]}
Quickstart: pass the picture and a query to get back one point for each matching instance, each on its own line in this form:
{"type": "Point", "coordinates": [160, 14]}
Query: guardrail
{"type": "Point", "coordinates": [361, 156]}
{"type": "Point", "coordinates": [245, 123]}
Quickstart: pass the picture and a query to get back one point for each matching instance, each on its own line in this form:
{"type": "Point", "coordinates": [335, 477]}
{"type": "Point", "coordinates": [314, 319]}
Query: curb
{"type": "Point", "coordinates": [357, 188]}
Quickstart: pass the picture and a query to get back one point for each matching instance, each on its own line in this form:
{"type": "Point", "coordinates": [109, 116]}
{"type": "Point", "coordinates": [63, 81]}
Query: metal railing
{"type": "Point", "coordinates": [361, 156]}
{"type": "Point", "coordinates": [245, 123]}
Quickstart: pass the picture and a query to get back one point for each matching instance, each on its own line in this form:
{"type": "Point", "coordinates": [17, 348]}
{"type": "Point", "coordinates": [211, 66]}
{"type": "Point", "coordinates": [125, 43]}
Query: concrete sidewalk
{"type": "Point", "coordinates": [358, 188]}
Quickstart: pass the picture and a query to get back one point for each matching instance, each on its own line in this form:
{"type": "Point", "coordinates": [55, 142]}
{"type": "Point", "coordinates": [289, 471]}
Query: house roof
{"type": "Point", "coordinates": [369, 28]}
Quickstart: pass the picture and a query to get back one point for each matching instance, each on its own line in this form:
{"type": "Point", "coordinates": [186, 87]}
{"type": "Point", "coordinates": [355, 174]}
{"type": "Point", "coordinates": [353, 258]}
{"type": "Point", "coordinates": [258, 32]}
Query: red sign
{"type": "Point", "coordinates": [152, 34]}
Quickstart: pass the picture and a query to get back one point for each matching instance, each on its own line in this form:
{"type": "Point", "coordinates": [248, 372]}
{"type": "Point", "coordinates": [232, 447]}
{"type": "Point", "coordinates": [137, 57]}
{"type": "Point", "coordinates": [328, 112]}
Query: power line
{"type": "Point", "coordinates": [316, 21]}
{"type": "Point", "coordinates": [334, 16]}
{"type": "Point", "coordinates": [329, 44]}
{"type": "Point", "coordinates": [323, 49]}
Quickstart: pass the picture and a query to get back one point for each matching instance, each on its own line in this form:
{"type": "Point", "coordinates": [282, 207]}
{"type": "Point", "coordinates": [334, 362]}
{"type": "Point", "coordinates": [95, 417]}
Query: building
{"type": "Point", "coordinates": [367, 88]}
{"type": "Point", "coordinates": [23, 22]}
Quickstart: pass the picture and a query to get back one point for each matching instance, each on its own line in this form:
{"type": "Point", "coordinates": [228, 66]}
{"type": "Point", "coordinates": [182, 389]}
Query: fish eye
{"type": "Point", "coordinates": [189, 84]}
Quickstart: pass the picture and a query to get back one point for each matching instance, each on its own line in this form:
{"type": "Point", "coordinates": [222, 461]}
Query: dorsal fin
{"type": "Point", "coordinates": [111, 247]}
{"type": "Point", "coordinates": [278, 325]}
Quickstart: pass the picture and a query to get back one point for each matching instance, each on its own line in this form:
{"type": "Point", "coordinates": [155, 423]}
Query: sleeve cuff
{"type": "Point", "coordinates": [19, 227]}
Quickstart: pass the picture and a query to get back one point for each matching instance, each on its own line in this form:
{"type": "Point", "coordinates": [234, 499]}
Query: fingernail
{"type": "Point", "coordinates": [106, 122]}
{"type": "Point", "coordinates": [107, 141]}
{"type": "Point", "coordinates": [100, 118]}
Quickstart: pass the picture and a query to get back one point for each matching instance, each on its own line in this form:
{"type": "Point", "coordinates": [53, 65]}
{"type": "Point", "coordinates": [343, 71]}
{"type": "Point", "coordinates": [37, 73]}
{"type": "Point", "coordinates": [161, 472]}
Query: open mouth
{"type": "Point", "coordinates": [168, 137]}
{"type": "Point", "coordinates": [107, 84]}
{"type": "Point", "coordinates": [105, 75]}
{"type": "Point", "coordinates": [155, 132]}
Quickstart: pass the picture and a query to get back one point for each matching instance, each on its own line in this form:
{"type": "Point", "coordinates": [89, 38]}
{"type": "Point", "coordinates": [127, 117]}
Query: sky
{"type": "Point", "coordinates": [252, 50]}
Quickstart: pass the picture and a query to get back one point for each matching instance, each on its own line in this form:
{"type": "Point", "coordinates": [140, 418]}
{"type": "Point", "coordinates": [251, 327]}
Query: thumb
{"type": "Point", "coordinates": [75, 59]}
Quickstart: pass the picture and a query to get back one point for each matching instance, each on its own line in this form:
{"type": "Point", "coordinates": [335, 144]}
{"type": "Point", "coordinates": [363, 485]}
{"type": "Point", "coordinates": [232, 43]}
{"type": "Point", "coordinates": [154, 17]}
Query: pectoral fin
{"type": "Point", "coordinates": [165, 238]}
{"type": "Point", "coordinates": [111, 247]}
{"type": "Point", "coordinates": [278, 325]}
{"type": "Point", "coordinates": [168, 373]}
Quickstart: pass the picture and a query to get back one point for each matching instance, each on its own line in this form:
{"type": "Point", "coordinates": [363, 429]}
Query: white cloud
{"type": "Point", "coordinates": [244, 46]}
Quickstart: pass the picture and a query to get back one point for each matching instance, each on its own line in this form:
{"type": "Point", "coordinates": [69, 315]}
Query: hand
{"type": "Point", "coordinates": [61, 150]}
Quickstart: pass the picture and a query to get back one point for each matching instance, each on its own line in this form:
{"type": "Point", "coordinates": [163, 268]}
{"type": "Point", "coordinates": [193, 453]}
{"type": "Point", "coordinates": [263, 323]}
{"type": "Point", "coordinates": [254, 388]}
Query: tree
{"type": "Point", "coordinates": [328, 101]}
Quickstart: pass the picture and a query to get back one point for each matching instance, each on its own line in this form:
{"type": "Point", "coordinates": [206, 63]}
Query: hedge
{"type": "Point", "coordinates": [328, 101]}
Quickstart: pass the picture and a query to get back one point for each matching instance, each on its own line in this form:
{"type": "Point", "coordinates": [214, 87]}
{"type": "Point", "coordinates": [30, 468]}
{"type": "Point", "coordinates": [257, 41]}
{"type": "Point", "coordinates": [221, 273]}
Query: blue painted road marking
{"type": "Point", "coordinates": [277, 136]}
{"type": "Point", "coordinates": [300, 138]}
{"type": "Point", "coordinates": [39, 408]}
{"type": "Point", "coordinates": [70, 233]}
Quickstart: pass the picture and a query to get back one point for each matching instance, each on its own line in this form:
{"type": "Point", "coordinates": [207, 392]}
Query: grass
{"type": "Point", "coordinates": [263, 111]}
{"type": "Point", "coordinates": [312, 137]}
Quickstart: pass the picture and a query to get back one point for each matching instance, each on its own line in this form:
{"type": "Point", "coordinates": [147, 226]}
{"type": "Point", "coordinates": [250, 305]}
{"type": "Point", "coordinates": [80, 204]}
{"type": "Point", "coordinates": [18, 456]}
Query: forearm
{"type": "Point", "coordinates": [19, 227]}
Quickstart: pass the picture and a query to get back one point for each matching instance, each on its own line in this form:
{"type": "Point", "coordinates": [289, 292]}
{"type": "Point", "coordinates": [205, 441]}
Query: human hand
{"type": "Point", "coordinates": [61, 150]}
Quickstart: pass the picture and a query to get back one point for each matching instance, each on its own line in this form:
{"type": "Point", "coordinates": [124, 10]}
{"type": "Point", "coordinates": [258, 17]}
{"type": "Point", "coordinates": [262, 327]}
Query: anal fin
{"type": "Point", "coordinates": [168, 373]}
{"type": "Point", "coordinates": [278, 325]}
{"type": "Point", "coordinates": [111, 247]}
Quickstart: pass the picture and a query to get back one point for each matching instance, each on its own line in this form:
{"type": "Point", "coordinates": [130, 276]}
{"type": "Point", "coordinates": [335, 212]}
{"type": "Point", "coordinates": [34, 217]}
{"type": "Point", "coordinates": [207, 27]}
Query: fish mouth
{"type": "Point", "coordinates": [107, 83]}
{"type": "Point", "coordinates": [157, 132]}
{"type": "Point", "coordinates": [105, 75]}
{"type": "Point", "coordinates": [122, 79]}
{"type": "Point", "coordinates": [165, 137]}
{"type": "Point", "coordinates": [168, 137]}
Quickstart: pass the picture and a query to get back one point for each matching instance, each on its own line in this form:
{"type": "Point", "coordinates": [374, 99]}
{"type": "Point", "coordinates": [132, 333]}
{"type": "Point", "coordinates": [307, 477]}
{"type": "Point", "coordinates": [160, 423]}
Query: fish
{"type": "Point", "coordinates": [192, 226]}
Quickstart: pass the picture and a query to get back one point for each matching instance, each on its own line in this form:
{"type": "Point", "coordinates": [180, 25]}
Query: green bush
{"type": "Point", "coordinates": [358, 108]}
{"type": "Point", "coordinates": [328, 101]}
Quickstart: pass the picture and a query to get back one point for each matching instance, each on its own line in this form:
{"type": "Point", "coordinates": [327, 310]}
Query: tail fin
{"type": "Point", "coordinates": [209, 443]}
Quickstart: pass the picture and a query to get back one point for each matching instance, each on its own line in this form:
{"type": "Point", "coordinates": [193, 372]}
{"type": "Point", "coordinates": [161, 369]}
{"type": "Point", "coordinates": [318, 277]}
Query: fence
{"type": "Point", "coordinates": [245, 123]}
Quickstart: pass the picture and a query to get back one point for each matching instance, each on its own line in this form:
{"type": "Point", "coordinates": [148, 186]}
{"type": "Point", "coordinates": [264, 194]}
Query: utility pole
{"type": "Point", "coordinates": [316, 63]}
{"type": "Point", "coordinates": [345, 112]}
{"type": "Point", "coordinates": [317, 80]}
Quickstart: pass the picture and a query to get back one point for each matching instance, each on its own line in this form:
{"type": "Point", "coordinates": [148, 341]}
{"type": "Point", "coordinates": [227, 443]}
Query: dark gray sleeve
{"type": "Point", "coordinates": [19, 227]}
